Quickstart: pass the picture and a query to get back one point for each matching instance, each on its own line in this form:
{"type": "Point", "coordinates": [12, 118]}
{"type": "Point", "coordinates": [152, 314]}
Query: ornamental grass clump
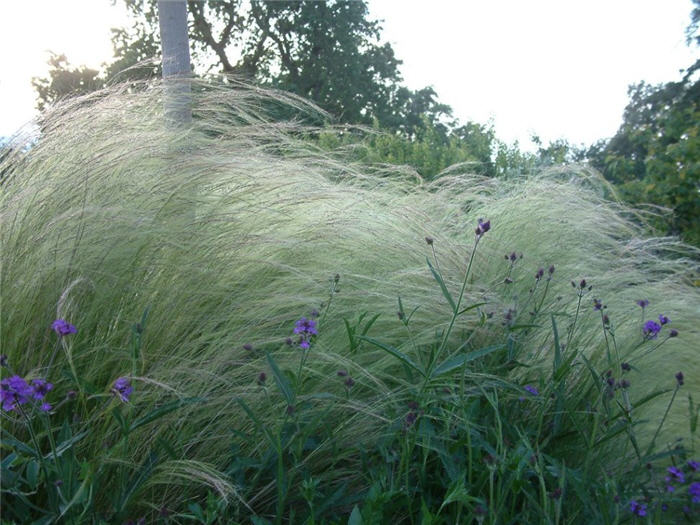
{"type": "Point", "coordinates": [220, 275]}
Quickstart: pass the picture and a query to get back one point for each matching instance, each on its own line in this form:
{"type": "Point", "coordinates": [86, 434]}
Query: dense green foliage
{"type": "Point", "coordinates": [655, 155]}
{"type": "Point", "coordinates": [184, 258]}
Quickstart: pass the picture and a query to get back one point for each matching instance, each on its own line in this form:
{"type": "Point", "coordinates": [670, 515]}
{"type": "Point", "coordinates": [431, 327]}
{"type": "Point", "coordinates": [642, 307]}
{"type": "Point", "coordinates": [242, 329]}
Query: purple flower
{"type": "Point", "coordinates": [41, 388]}
{"type": "Point", "coordinates": [3, 360]}
{"type": "Point", "coordinates": [597, 304]}
{"type": "Point", "coordinates": [349, 382]}
{"type": "Point", "coordinates": [262, 377]}
{"type": "Point", "coordinates": [694, 491]}
{"type": "Point", "coordinates": [663, 319]}
{"type": "Point", "coordinates": [247, 347]}
{"type": "Point", "coordinates": [626, 367]}
{"type": "Point", "coordinates": [673, 333]}
{"type": "Point", "coordinates": [482, 227]}
{"type": "Point", "coordinates": [306, 329]}
{"type": "Point", "coordinates": [62, 327]}
{"type": "Point", "coordinates": [342, 373]}
{"type": "Point", "coordinates": [539, 274]}
{"type": "Point", "coordinates": [551, 269]}
{"type": "Point", "coordinates": [675, 475]}
{"type": "Point", "coordinates": [638, 509]}
{"type": "Point", "coordinates": [651, 330]}
{"type": "Point", "coordinates": [305, 326]}
{"type": "Point", "coordinates": [643, 303]}
{"type": "Point", "coordinates": [532, 390]}
{"type": "Point", "coordinates": [45, 407]}
{"type": "Point", "coordinates": [122, 388]}
{"type": "Point", "coordinates": [679, 378]}
{"type": "Point", "coordinates": [14, 391]}
{"type": "Point", "coordinates": [693, 465]}
{"type": "Point", "coordinates": [429, 241]}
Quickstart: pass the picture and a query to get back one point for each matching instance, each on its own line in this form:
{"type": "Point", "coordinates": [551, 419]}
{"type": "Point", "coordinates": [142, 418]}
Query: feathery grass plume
{"type": "Point", "coordinates": [229, 230]}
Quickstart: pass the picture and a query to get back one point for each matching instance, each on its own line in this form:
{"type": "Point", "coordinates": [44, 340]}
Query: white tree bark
{"type": "Point", "coordinates": [177, 73]}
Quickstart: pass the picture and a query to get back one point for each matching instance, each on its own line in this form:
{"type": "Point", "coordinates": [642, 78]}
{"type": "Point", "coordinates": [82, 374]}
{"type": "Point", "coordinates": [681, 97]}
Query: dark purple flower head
{"type": "Point", "coordinates": [626, 367]}
{"type": "Point", "coordinates": [624, 383]}
{"type": "Point", "coordinates": [643, 303]}
{"type": "Point", "coordinates": [3, 360]}
{"type": "Point", "coordinates": [551, 269]}
{"type": "Point", "coordinates": [597, 304]}
{"type": "Point", "coordinates": [638, 509]}
{"type": "Point", "coordinates": [582, 284]}
{"type": "Point", "coordinates": [532, 390]}
{"type": "Point", "coordinates": [673, 333]}
{"type": "Point", "coordinates": [71, 395]}
{"type": "Point", "coordinates": [663, 319]}
{"type": "Point", "coordinates": [62, 327]}
{"type": "Point", "coordinates": [482, 227]}
{"type": "Point", "coordinates": [675, 474]}
{"type": "Point", "coordinates": [45, 407]}
{"type": "Point", "coordinates": [679, 378]}
{"type": "Point", "coordinates": [429, 241]}
{"type": "Point", "coordinates": [411, 418]}
{"type": "Point", "coordinates": [14, 391]}
{"type": "Point", "coordinates": [289, 341]}
{"type": "Point", "coordinates": [513, 257]}
{"type": "Point", "coordinates": [305, 326]}
{"type": "Point", "coordinates": [247, 347]}
{"type": "Point", "coordinates": [41, 388]}
{"type": "Point", "coordinates": [694, 491]}
{"type": "Point", "coordinates": [606, 320]}
{"type": "Point", "coordinates": [122, 388]}
{"type": "Point", "coordinates": [539, 274]}
{"type": "Point", "coordinates": [556, 493]}
{"type": "Point", "coordinates": [693, 465]}
{"type": "Point", "coordinates": [306, 329]}
{"type": "Point", "coordinates": [342, 373]}
{"type": "Point", "coordinates": [651, 330]}
{"type": "Point", "coordinates": [349, 382]}
{"type": "Point", "coordinates": [262, 377]}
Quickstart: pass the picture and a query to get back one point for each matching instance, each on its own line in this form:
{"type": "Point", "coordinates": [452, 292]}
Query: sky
{"type": "Point", "coordinates": [555, 68]}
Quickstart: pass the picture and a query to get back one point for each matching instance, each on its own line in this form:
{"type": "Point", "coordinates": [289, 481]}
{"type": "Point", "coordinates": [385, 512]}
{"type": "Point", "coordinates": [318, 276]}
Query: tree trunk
{"type": "Point", "coordinates": [172, 16]}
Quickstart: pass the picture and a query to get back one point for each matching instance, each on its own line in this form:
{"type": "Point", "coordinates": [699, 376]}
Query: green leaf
{"type": "Point", "coordinates": [281, 380]}
{"type": "Point", "coordinates": [477, 305]}
{"type": "Point", "coordinates": [19, 446]}
{"type": "Point", "coordinates": [396, 353]}
{"type": "Point", "coordinates": [355, 517]}
{"type": "Point", "coordinates": [163, 410]}
{"type": "Point", "coordinates": [258, 423]}
{"type": "Point", "coordinates": [557, 346]}
{"type": "Point", "coordinates": [445, 292]}
{"type": "Point", "coordinates": [369, 324]}
{"type": "Point", "coordinates": [138, 479]}
{"type": "Point", "coordinates": [457, 361]}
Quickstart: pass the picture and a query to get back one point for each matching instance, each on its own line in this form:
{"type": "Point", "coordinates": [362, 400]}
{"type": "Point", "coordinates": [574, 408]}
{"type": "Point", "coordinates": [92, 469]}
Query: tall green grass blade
{"type": "Point", "coordinates": [283, 383]}
{"type": "Point", "coordinates": [396, 353]}
{"type": "Point", "coordinates": [443, 287]}
{"type": "Point", "coordinates": [163, 410]}
{"type": "Point", "coordinates": [459, 361]}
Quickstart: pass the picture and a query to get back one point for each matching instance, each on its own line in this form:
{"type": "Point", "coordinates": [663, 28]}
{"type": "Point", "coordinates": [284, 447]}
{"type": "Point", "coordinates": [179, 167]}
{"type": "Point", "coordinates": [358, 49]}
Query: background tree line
{"type": "Point", "coordinates": [331, 53]}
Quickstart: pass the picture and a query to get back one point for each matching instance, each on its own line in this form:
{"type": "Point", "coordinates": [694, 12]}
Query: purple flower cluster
{"type": "Point", "coordinates": [694, 491]}
{"type": "Point", "coordinates": [122, 388]}
{"type": "Point", "coordinates": [15, 391]}
{"type": "Point", "coordinates": [62, 327]}
{"type": "Point", "coordinates": [482, 227]}
{"type": "Point", "coordinates": [651, 330]}
{"type": "Point", "coordinates": [638, 509]}
{"type": "Point", "coordinates": [305, 329]}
